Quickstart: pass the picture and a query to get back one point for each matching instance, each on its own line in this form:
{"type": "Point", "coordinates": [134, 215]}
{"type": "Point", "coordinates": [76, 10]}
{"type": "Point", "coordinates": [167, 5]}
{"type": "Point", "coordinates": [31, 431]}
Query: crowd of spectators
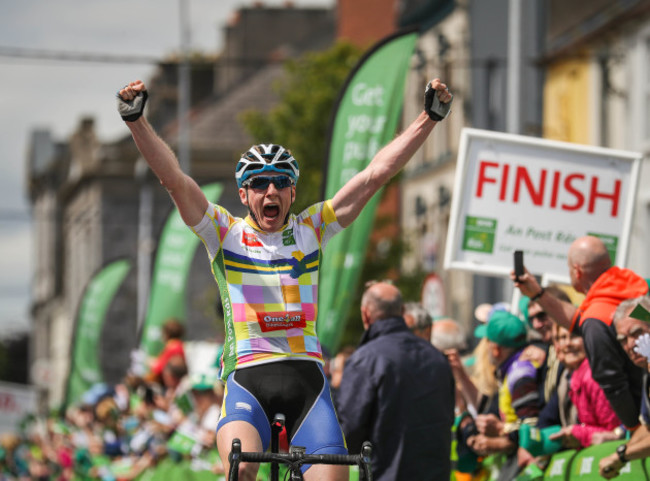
{"type": "Point", "coordinates": [549, 375]}
{"type": "Point", "coordinates": [161, 413]}
{"type": "Point", "coordinates": [119, 432]}
{"type": "Point", "coordinates": [567, 375]}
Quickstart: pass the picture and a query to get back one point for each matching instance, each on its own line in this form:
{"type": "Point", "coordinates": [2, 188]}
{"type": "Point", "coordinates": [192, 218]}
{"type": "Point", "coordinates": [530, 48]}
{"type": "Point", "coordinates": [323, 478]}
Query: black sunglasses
{"type": "Point", "coordinates": [262, 183]}
{"type": "Point", "coordinates": [540, 316]}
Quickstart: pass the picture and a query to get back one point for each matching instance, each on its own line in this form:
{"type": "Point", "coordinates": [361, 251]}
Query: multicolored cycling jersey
{"type": "Point", "coordinates": [268, 283]}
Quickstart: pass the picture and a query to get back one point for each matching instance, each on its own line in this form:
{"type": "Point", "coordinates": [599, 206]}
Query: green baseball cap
{"type": "Point", "coordinates": [484, 313]}
{"type": "Point", "coordinates": [506, 329]}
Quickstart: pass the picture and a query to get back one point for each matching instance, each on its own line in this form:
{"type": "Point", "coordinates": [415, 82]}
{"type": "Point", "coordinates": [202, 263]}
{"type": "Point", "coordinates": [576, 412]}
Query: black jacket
{"type": "Point", "coordinates": [612, 369]}
{"type": "Point", "coordinates": [398, 393]}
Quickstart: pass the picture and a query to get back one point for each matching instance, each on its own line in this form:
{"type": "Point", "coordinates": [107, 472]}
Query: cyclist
{"type": "Point", "coordinates": [266, 267]}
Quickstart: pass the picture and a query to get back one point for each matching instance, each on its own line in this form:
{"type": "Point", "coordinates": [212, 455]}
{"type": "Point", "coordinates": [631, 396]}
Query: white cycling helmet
{"type": "Point", "coordinates": [263, 158]}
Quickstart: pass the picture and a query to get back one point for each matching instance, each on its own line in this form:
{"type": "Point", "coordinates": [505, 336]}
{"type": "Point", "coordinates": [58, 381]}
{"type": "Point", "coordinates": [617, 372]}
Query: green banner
{"type": "Point", "coordinates": [176, 250]}
{"type": "Point", "coordinates": [84, 366]}
{"type": "Point", "coordinates": [479, 234]}
{"type": "Point", "coordinates": [366, 119]}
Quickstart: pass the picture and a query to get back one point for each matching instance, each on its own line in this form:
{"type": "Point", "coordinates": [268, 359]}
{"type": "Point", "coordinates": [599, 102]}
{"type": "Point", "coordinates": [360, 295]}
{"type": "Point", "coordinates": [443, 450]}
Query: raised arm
{"type": "Point", "coordinates": [188, 197]}
{"type": "Point", "coordinates": [355, 194]}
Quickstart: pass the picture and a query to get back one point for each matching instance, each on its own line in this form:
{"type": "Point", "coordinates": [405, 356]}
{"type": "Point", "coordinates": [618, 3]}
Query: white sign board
{"type": "Point", "coordinates": [516, 192]}
{"type": "Point", "coordinates": [16, 402]}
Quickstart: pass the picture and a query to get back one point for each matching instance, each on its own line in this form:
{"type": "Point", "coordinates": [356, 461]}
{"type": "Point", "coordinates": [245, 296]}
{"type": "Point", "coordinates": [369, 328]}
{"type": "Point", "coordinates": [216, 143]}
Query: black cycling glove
{"type": "Point", "coordinates": [435, 109]}
{"type": "Point", "coordinates": [131, 110]}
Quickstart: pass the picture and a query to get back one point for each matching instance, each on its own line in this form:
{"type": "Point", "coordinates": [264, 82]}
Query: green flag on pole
{"type": "Point", "coordinates": [85, 369]}
{"type": "Point", "coordinates": [366, 119]}
{"type": "Point", "coordinates": [176, 250]}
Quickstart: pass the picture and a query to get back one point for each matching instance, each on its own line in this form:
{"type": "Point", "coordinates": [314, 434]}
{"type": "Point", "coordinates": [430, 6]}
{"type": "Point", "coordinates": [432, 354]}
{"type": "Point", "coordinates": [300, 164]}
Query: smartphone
{"type": "Point", "coordinates": [519, 264]}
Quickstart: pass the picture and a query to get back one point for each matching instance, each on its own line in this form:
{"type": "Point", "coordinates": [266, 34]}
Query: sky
{"type": "Point", "coordinates": [38, 93]}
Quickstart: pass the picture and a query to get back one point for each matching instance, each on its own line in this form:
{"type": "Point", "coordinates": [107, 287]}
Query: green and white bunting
{"type": "Point", "coordinates": [85, 369]}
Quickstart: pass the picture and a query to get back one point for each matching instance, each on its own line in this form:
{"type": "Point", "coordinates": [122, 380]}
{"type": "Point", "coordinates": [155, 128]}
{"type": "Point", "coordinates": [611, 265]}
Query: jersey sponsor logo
{"type": "Point", "coordinates": [287, 238]}
{"type": "Point", "coordinates": [250, 239]}
{"type": "Point", "coordinates": [243, 406]}
{"type": "Point", "coordinates": [279, 321]}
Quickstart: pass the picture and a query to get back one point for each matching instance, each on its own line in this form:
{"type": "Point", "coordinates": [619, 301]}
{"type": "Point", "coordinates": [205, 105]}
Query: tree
{"type": "Point", "coordinates": [301, 120]}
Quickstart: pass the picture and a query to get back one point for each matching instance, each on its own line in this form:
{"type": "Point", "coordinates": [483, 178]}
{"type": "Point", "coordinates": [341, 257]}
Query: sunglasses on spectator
{"type": "Point", "coordinates": [540, 316]}
{"type": "Point", "coordinates": [263, 182]}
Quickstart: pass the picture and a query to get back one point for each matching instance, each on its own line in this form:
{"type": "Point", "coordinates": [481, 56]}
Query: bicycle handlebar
{"type": "Point", "coordinates": [296, 459]}
{"type": "Point", "coordinates": [299, 458]}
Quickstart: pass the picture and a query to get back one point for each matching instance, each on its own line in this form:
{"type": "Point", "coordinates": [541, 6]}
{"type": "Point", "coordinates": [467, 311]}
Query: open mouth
{"type": "Point", "coordinates": [271, 211]}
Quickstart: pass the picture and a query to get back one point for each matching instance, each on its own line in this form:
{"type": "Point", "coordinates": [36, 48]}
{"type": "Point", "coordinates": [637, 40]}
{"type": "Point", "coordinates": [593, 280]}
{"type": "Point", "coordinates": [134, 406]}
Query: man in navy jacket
{"type": "Point", "coordinates": [398, 393]}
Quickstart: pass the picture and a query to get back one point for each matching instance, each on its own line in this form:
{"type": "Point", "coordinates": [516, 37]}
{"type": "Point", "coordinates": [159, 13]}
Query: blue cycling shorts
{"type": "Point", "coordinates": [297, 389]}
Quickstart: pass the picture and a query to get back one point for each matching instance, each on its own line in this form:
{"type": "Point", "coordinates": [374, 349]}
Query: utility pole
{"type": "Point", "coordinates": [145, 244]}
{"type": "Point", "coordinates": [513, 104]}
{"type": "Point", "coordinates": [513, 112]}
{"type": "Point", "coordinates": [184, 90]}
